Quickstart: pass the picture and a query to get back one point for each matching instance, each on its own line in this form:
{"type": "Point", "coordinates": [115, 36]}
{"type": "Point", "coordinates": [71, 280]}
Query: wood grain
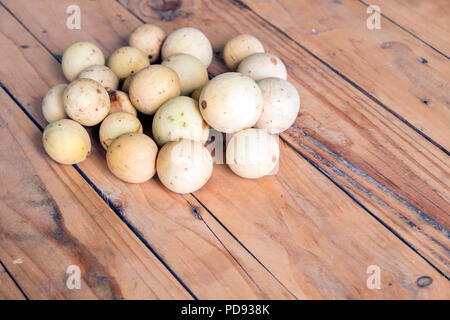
{"type": "Point", "coordinates": [207, 259]}
{"type": "Point", "coordinates": [8, 289]}
{"type": "Point", "coordinates": [51, 219]}
{"type": "Point", "coordinates": [428, 20]}
{"type": "Point", "coordinates": [296, 223]}
{"type": "Point", "coordinates": [395, 173]}
{"type": "Point", "coordinates": [336, 32]}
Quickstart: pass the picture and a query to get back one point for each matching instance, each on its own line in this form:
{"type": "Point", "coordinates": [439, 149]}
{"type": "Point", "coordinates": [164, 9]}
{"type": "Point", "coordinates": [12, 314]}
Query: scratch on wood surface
{"type": "Point", "coordinates": [423, 216]}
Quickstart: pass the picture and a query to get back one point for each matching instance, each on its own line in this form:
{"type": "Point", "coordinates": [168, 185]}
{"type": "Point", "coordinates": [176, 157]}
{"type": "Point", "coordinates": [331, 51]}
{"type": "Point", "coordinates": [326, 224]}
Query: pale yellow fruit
{"type": "Point", "coordinates": [120, 102]}
{"type": "Point", "coordinates": [196, 93]}
{"type": "Point", "coordinates": [184, 166]}
{"type": "Point", "coordinates": [253, 153]}
{"type": "Point", "coordinates": [117, 124]}
{"type": "Point", "coordinates": [79, 56]}
{"type": "Point", "coordinates": [231, 102]}
{"type": "Point", "coordinates": [179, 118]}
{"type": "Point", "coordinates": [263, 65]}
{"type": "Point", "coordinates": [66, 141]}
{"type": "Point", "coordinates": [153, 86]}
{"type": "Point", "coordinates": [281, 105]}
{"type": "Point", "coordinates": [149, 39]}
{"type": "Point", "coordinates": [86, 102]}
{"type": "Point", "coordinates": [127, 60]}
{"type": "Point", "coordinates": [132, 157]}
{"type": "Point", "coordinates": [102, 74]}
{"type": "Point", "coordinates": [191, 71]}
{"type": "Point", "coordinates": [239, 48]}
{"type": "Point", "coordinates": [189, 41]}
{"type": "Point", "coordinates": [126, 84]}
{"type": "Point", "coordinates": [53, 103]}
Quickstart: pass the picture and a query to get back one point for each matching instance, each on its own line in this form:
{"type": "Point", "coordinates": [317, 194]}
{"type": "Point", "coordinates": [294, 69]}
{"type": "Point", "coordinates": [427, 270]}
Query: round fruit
{"type": "Point", "coordinates": [102, 74]}
{"type": "Point", "coordinates": [263, 65]}
{"type": "Point", "coordinates": [126, 84]}
{"type": "Point", "coordinates": [189, 41]}
{"type": "Point", "coordinates": [184, 166]}
{"type": "Point", "coordinates": [281, 105]}
{"type": "Point", "coordinates": [252, 153]}
{"type": "Point", "coordinates": [86, 102]}
{"type": "Point", "coordinates": [153, 86]}
{"type": "Point", "coordinates": [127, 60]}
{"type": "Point", "coordinates": [231, 102]}
{"type": "Point", "coordinates": [79, 56]}
{"type": "Point", "coordinates": [117, 124]}
{"type": "Point", "coordinates": [53, 103]}
{"type": "Point", "coordinates": [66, 141]}
{"type": "Point", "coordinates": [191, 71]}
{"type": "Point", "coordinates": [131, 157]}
{"type": "Point", "coordinates": [179, 118]}
{"type": "Point", "coordinates": [148, 38]}
{"type": "Point", "coordinates": [239, 48]}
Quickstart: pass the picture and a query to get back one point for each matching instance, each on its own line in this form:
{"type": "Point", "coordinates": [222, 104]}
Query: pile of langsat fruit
{"type": "Point", "coordinates": [254, 102]}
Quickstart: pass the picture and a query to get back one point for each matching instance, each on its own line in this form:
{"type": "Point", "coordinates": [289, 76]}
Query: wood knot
{"type": "Point", "coordinates": [196, 212]}
{"type": "Point", "coordinates": [167, 9]}
{"type": "Point", "coordinates": [423, 60]}
{"type": "Point", "coordinates": [425, 101]}
{"type": "Point", "coordinates": [424, 281]}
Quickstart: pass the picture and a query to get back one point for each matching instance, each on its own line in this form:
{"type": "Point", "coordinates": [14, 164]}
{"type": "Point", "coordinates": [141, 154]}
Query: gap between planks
{"type": "Point", "coordinates": [10, 277]}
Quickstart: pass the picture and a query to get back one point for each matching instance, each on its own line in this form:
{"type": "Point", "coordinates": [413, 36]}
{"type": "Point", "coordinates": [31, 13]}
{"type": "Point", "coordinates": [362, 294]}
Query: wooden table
{"type": "Point", "coordinates": [362, 189]}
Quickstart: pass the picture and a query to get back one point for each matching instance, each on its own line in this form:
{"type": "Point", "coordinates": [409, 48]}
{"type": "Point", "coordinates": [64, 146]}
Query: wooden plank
{"type": "Point", "coordinates": [211, 263]}
{"type": "Point", "coordinates": [428, 20]}
{"type": "Point", "coordinates": [51, 219]}
{"type": "Point", "coordinates": [393, 171]}
{"type": "Point", "coordinates": [284, 219]}
{"type": "Point", "coordinates": [8, 289]}
{"type": "Point", "coordinates": [387, 63]}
